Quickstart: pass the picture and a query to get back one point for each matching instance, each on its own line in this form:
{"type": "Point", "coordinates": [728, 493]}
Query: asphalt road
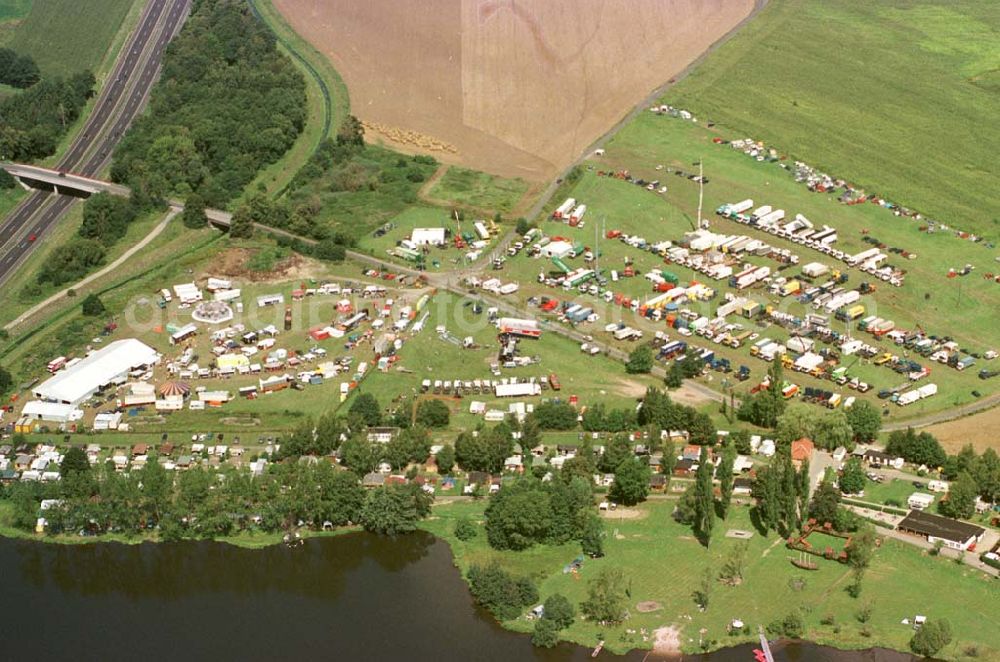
{"type": "Point", "coordinates": [119, 102]}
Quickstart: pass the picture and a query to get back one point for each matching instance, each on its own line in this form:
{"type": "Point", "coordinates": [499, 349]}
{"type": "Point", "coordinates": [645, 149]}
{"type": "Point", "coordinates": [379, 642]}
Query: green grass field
{"type": "Point", "coordinates": [12, 10]}
{"type": "Point", "coordinates": [426, 356]}
{"type": "Point", "coordinates": [891, 490]}
{"type": "Point", "coordinates": [471, 188]}
{"type": "Point", "coordinates": [23, 283]}
{"type": "Point", "coordinates": [961, 307]}
{"type": "Point", "coordinates": [663, 563]}
{"type": "Point", "coordinates": [897, 96]}
{"type": "Point", "coordinates": [67, 36]}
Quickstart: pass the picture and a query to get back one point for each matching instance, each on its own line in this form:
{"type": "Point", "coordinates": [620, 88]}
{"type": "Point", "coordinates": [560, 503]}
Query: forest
{"type": "Point", "coordinates": [227, 105]}
{"type": "Point", "coordinates": [34, 120]}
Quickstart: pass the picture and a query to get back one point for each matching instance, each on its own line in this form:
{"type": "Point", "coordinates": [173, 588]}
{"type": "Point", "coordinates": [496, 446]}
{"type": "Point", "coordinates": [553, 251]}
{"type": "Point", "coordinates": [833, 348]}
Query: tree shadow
{"type": "Point", "coordinates": [758, 523]}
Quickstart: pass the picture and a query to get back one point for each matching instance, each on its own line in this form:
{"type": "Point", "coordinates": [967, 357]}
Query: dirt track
{"type": "Point", "coordinates": [518, 88]}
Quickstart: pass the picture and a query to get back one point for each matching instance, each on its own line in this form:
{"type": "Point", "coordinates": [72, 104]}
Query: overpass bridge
{"type": "Point", "coordinates": [31, 176]}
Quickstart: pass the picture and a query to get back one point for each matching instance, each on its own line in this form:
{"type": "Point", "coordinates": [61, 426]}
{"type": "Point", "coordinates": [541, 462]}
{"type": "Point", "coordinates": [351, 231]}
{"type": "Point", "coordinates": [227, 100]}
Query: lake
{"type": "Point", "coordinates": [351, 597]}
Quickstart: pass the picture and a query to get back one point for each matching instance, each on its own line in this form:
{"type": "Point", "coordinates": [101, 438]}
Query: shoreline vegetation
{"type": "Point", "coordinates": [461, 552]}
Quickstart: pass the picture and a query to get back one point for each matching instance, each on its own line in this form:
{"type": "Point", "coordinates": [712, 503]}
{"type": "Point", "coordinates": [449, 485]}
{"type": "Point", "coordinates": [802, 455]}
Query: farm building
{"type": "Point", "coordinates": [427, 236]}
{"type": "Point", "coordinates": [951, 532]}
{"type": "Point", "coordinates": [108, 365]}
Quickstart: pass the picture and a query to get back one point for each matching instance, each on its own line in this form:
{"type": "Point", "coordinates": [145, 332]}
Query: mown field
{"type": "Point", "coordinates": [66, 36]}
{"type": "Point", "coordinates": [664, 563]}
{"type": "Point", "coordinates": [896, 96]}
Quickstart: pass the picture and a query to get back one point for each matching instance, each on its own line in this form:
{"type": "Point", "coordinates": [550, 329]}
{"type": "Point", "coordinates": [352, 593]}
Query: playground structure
{"type": "Point", "coordinates": [802, 544]}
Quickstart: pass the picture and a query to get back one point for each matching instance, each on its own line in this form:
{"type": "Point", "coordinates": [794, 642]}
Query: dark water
{"type": "Point", "coordinates": [354, 597]}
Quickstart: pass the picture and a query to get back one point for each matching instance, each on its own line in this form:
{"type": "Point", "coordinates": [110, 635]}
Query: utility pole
{"type": "Point", "coordinates": [701, 192]}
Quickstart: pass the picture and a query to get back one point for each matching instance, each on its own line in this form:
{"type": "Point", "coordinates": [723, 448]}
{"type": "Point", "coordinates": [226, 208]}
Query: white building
{"type": "Point", "coordinates": [424, 236]}
{"type": "Point", "coordinates": [109, 365]}
{"type": "Point", "coordinates": [52, 412]}
{"type": "Point", "coordinates": [920, 501]}
{"type": "Point", "coordinates": [559, 249]}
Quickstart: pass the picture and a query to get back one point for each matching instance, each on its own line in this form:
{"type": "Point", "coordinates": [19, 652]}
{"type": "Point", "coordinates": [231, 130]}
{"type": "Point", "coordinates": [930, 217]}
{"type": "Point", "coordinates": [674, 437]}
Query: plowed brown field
{"type": "Point", "coordinates": [514, 87]}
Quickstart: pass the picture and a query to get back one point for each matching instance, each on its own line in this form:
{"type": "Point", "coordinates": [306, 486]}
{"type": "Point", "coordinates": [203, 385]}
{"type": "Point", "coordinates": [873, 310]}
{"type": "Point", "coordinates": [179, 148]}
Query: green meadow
{"type": "Point", "coordinates": [899, 96]}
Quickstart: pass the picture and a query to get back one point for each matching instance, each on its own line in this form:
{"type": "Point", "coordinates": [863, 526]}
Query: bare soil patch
{"type": "Point", "coordinates": [667, 640]}
{"type": "Point", "coordinates": [648, 606]}
{"type": "Point", "coordinates": [232, 263]}
{"type": "Point", "coordinates": [624, 513]}
{"type": "Point", "coordinates": [513, 87]}
{"type": "Point", "coordinates": [978, 430]}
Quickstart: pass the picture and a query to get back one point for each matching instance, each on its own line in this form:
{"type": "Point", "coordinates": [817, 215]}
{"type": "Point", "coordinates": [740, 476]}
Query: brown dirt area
{"type": "Point", "coordinates": [980, 430]}
{"type": "Point", "coordinates": [667, 641]}
{"type": "Point", "coordinates": [624, 513]}
{"type": "Point", "coordinates": [232, 263]}
{"type": "Point", "coordinates": [512, 87]}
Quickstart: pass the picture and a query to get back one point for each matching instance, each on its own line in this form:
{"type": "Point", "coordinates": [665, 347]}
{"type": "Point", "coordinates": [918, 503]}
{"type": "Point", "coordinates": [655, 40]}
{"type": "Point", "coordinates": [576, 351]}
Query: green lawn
{"type": "Point", "coordinates": [12, 10]}
{"type": "Point", "coordinates": [66, 36]}
{"type": "Point", "coordinates": [895, 489]}
{"type": "Point", "coordinates": [961, 308]}
{"type": "Point", "coordinates": [898, 96]}
{"type": "Point", "coordinates": [663, 563]}
{"type": "Point", "coordinates": [471, 188]}
{"type": "Point", "coordinates": [426, 356]}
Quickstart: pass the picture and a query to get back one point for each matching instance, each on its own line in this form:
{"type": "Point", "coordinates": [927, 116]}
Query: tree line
{"type": "Point", "coordinates": [18, 71]}
{"type": "Point", "coordinates": [206, 503]}
{"type": "Point", "coordinates": [228, 103]}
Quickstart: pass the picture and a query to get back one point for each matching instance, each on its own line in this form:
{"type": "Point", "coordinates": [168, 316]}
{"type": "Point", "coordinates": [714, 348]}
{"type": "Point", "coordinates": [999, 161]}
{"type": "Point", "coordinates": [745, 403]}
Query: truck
{"type": "Point", "coordinates": [626, 333]}
{"type": "Point", "coordinates": [519, 327]}
{"type": "Point", "coordinates": [749, 277]}
{"type": "Point", "coordinates": [772, 218]}
{"type": "Point", "coordinates": [554, 382]}
{"type": "Point", "coordinates": [577, 215]}
{"type": "Point", "coordinates": [563, 210]}
{"type": "Point", "coordinates": [481, 230]}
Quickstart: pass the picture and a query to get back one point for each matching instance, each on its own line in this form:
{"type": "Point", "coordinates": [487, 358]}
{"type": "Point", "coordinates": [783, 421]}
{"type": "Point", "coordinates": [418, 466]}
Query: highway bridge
{"type": "Point", "coordinates": [31, 176]}
{"type": "Point", "coordinates": [121, 99]}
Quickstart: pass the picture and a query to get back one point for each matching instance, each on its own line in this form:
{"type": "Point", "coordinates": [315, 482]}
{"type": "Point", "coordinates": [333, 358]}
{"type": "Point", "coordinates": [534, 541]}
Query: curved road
{"type": "Point", "coordinates": [119, 102]}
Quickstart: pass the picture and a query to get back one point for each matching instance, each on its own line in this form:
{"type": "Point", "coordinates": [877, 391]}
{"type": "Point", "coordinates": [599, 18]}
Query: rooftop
{"type": "Point", "coordinates": [940, 527]}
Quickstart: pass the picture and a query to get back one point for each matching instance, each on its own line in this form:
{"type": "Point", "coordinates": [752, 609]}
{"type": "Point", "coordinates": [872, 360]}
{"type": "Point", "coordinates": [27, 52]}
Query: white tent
{"type": "Point", "coordinates": [51, 411]}
{"type": "Point", "coordinates": [108, 365]}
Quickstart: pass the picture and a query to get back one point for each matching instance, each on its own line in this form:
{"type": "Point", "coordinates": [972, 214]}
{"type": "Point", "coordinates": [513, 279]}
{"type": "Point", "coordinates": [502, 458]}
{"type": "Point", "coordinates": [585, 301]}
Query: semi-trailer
{"type": "Point", "coordinates": [563, 210]}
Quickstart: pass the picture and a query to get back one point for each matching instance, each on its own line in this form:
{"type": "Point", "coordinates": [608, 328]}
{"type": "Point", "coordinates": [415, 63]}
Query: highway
{"type": "Point", "coordinates": [121, 99]}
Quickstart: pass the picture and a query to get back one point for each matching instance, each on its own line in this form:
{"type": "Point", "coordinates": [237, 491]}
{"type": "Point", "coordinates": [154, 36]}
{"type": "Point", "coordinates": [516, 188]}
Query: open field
{"type": "Point", "coordinates": [663, 563]}
{"type": "Point", "coordinates": [13, 10]}
{"type": "Point", "coordinates": [514, 88]}
{"type": "Point", "coordinates": [980, 430]}
{"type": "Point", "coordinates": [24, 287]}
{"type": "Point", "coordinates": [903, 127]}
{"type": "Point", "coordinates": [893, 489]}
{"type": "Point", "coordinates": [653, 145]}
{"type": "Point", "coordinates": [67, 36]}
{"type": "Point", "coordinates": [427, 356]}
{"type": "Point", "coordinates": [479, 190]}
